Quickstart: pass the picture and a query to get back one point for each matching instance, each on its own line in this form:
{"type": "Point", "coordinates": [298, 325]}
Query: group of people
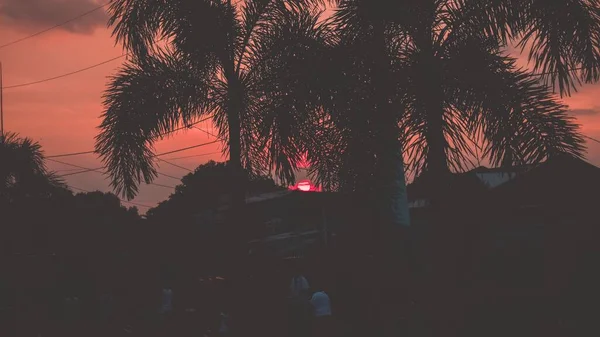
{"type": "Point", "coordinates": [310, 309]}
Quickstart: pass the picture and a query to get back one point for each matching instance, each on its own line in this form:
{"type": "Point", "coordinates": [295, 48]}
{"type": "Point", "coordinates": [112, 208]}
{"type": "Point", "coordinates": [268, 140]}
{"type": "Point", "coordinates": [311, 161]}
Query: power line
{"type": "Point", "coordinates": [77, 166]}
{"type": "Point", "coordinates": [66, 170]}
{"type": "Point", "coordinates": [592, 139]}
{"type": "Point", "coordinates": [85, 169]}
{"type": "Point", "coordinates": [79, 172]}
{"type": "Point", "coordinates": [71, 73]}
{"type": "Point", "coordinates": [124, 201]}
{"type": "Point", "coordinates": [209, 133]}
{"type": "Point", "coordinates": [63, 75]}
{"type": "Point", "coordinates": [169, 176]}
{"type": "Point", "coordinates": [97, 170]}
{"type": "Point", "coordinates": [70, 154]}
{"type": "Point", "coordinates": [175, 165]}
{"type": "Point", "coordinates": [186, 148]}
{"type": "Point", "coordinates": [161, 185]}
{"type": "Point", "coordinates": [160, 135]}
{"type": "Point", "coordinates": [55, 26]}
{"type": "Point", "coordinates": [195, 155]}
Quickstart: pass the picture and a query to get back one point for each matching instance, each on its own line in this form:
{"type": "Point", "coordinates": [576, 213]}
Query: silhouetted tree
{"type": "Point", "coordinates": [186, 224]}
{"type": "Point", "coordinates": [23, 172]}
{"type": "Point", "coordinates": [450, 84]}
{"type": "Point", "coordinates": [435, 74]}
{"type": "Point", "coordinates": [207, 188]}
{"type": "Point", "coordinates": [29, 193]}
{"type": "Point", "coordinates": [217, 62]}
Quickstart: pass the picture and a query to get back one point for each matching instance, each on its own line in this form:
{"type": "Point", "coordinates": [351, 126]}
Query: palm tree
{"type": "Point", "coordinates": [219, 60]}
{"type": "Point", "coordinates": [23, 172]}
{"type": "Point", "coordinates": [452, 86]}
{"type": "Point", "coordinates": [26, 185]}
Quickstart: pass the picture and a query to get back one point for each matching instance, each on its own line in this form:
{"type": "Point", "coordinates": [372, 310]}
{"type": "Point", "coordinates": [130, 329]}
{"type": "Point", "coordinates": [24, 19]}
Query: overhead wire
{"type": "Point", "coordinates": [195, 155]}
{"type": "Point", "coordinates": [159, 135]}
{"type": "Point", "coordinates": [72, 72]}
{"type": "Point", "coordinates": [175, 165]}
{"type": "Point", "coordinates": [186, 148]}
{"type": "Point", "coordinates": [55, 26]}
{"type": "Point", "coordinates": [63, 75]}
{"type": "Point", "coordinates": [85, 169]}
{"type": "Point", "coordinates": [592, 139]}
{"type": "Point", "coordinates": [97, 170]}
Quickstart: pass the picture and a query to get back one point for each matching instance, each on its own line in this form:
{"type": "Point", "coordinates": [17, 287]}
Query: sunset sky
{"type": "Point", "coordinates": [63, 114]}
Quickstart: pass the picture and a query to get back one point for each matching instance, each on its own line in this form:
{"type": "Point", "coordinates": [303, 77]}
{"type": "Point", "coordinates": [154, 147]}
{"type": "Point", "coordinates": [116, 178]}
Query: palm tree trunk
{"type": "Point", "coordinates": [235, 147]}
{"type": "Point", "coordinates": [391, 210]}
{"type": "Point", "coordinates": [234, 230]}
{"type": "Point", "coordinates": [393, 202]}
{"type": "Point", "coordinates": [432, 103]}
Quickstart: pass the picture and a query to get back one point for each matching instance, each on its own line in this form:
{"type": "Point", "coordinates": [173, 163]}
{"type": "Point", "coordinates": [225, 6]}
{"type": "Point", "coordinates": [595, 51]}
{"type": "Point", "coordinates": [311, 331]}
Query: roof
{"type": "Point", "coordinates": [562, 179]}
{"type": "Point", "coordinates": [462, 185]}
{"type": "Point", "coordinates": [267, 196]}
{"type": "Point", "coordinates": [513, 169]}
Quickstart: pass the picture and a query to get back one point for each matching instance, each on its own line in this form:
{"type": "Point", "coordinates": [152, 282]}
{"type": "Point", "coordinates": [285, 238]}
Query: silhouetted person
{"type": "Point", "coordinates": [225, 324]}
{"type": "Point", "coordinates": [323, 325]}
{"type": "Point", "coordinates": [166, 310]}
{"type": "Point", "coordinates": [300, 316]}
{"type": "Point", "coordinates": [299, 285]}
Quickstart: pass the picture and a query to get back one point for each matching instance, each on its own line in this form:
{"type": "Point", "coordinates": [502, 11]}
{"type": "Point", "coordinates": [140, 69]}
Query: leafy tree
{"type": "Point", "coordinates": [207, 188]}
{"type": "Point", "coordinates": [183, 229]}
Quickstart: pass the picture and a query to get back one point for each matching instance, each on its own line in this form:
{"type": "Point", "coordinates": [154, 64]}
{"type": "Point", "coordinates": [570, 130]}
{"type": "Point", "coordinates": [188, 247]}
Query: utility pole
{"type": "Point", "coordinates": [1, 106]}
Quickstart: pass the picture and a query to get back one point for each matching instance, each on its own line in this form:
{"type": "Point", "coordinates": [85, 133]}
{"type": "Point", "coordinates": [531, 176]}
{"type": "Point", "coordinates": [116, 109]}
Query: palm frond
{"type": "Point", "coordinates": [562, 36]}
{"type": "Point", "coordinates": [23, 170]}
{"type": "Point", "coordinates": [281, 74]}
{"type": "Point", "coordinates": [504, 109]}
{"type": "Point", "coordinates": [145, 100]}
{"type": "Point", "coordinates": [197, 27]}
{"type": "Point", "coordinates": [531, 127]}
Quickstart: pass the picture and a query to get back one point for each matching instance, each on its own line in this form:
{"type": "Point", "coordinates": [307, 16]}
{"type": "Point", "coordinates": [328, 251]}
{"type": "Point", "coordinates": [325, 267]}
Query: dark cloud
{"type": "Point", "coordinates": [585, 112]}
{"type": "Point", "coordinates": [33, 15]}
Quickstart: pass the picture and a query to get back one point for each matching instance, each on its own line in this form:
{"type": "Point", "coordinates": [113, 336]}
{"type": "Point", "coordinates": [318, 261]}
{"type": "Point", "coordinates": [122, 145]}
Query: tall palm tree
{"type": "Point", "coordinates": [451, 86]}
{"type": "Point", "coordinates": [455, 86]}
{"type": "Point", "coordinates": [220, 60]}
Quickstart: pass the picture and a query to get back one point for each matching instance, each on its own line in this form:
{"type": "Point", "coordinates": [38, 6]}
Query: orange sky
{"type": "Point", "coordinates": [63, 114]}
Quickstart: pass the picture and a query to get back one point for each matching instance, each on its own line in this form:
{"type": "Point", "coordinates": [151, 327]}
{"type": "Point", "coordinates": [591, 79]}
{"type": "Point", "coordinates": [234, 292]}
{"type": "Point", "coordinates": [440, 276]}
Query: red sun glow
{"type": "Point", "coordinates": [305, 186]}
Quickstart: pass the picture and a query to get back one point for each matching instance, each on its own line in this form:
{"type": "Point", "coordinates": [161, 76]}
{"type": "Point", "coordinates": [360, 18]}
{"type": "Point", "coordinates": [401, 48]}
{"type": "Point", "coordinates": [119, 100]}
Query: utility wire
{"type": "Point", "coordinates": [79, 172]}
{"type": "Point", "coordinates": [71, 73]}
{"type": "Point", "coordinates": [195, 155]}
{"type": "Point", "coordinates": [77, 166]}
{"type": "Point", "coordinates": [66, 170]}
{"type": "Point", "coordinates": [592, 139]}
{"type": "Point", "coordinates": [63, 75]}
{"type": "Point", "coordinates": [209, 133]}
{"type": "Point", "coordinates": [161, 185]}
{"type": "Point", "coordinates": [97, 170]}
{"type": "Point", "coordinates": [70, 154]}
{"type": "Point", "coordinates": [186, 148]}
{"type": "Point", "coordinates": [169, 176]}
{"type": "Point", "coordinates": [175, 165]}
{"type": "Point", "coordinates": [55, 26]}
{"type": "Point", "coordinates": [85, 169]}
{"type": "Point", "coordinates": [160, 135]}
